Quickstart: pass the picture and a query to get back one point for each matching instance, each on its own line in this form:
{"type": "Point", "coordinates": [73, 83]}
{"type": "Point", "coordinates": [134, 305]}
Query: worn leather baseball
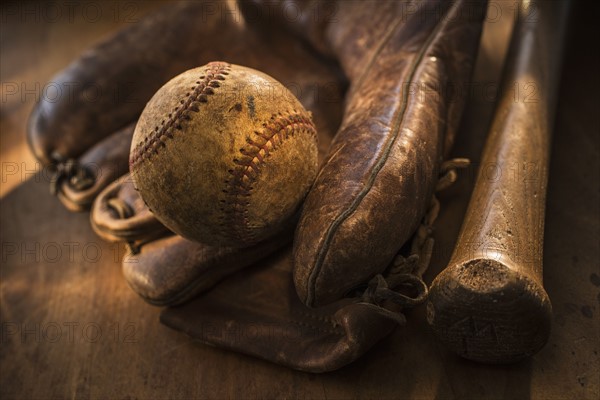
{"type": "Point", "coordinates": [224, 155]}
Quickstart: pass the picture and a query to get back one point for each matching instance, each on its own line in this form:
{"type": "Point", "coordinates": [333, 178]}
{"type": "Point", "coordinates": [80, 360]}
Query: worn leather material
{"type": "Point", "coordinates": [224, 155]}
{"type": "Point", "coordinates": [400, 119]}
{"type": "Point", "coordinates": [96, 169]}
{"type": "Point", "coordinates": [119, 214]}
{"type": "Point", "coordinates": [257, 312]}
{"type": "Point", "coordinates": [173, 270]}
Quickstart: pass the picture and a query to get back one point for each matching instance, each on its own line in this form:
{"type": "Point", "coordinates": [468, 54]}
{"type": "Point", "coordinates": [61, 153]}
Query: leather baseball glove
{"type": "Point", "coordinates": [383, 83]}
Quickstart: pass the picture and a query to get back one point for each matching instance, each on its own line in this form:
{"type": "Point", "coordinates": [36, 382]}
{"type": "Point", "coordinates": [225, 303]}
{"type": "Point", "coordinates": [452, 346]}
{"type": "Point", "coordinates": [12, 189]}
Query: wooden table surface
{"type": "Point", "coordinates": [71, 328]}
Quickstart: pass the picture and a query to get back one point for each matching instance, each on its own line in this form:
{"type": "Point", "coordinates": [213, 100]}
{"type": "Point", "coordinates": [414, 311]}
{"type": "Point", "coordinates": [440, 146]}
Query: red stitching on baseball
{"type": "Point", "coordinates": [248, 165]}
{"type": "Point", "coordinates": [205, 86]}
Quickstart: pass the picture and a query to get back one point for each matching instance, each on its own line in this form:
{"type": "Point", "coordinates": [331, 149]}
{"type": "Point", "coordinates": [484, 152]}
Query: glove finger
{"type": "Point", "coordinates": [173, 270]}
{"type": "Point", "coordinates": [120, 215]}
{"type": "Point", "coordinates": [78, 185]}
{"type": "Point", "coordinates": [382, 169]}
{"type": "Point", "coordinates": [107, 87]}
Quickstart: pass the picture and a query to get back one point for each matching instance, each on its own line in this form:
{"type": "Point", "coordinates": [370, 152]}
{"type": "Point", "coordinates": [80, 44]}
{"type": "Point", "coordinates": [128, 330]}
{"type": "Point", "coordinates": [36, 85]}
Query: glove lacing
{"type": "Point", "coordinates": [124, 211]}
{"type": "Point", "coordinates": [407, 272]}
{"type": "Point", "coordinates": [79, 176]}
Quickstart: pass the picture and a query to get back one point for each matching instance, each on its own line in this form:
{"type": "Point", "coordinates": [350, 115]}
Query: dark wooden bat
{"type": "Point", "coordinates": [489, 304]}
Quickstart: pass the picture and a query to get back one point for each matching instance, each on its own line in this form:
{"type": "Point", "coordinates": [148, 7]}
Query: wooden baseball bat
{"type": "Point", "coordinates": [489, 304]}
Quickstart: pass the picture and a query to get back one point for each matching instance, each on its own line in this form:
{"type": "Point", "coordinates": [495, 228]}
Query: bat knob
{"type": "Point", "coordinates": [487, 312]}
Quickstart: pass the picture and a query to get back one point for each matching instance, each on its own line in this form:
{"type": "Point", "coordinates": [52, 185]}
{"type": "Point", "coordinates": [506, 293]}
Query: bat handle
{"type": "Point", "coordinates": [486, 311]}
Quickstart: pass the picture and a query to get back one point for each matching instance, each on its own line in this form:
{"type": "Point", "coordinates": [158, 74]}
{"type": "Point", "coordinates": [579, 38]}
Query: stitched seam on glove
{"type": "Point", "coordinates": [315, 328]}
{"type": "Point", "coordinates": [397, 122]}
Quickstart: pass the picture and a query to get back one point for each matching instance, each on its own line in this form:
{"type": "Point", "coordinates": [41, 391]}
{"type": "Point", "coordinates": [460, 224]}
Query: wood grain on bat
{"type": "Point", "coordinates": [489, 304]}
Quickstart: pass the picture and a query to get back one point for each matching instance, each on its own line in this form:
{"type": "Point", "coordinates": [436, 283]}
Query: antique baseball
{"type": "Point", "coordinates": [224, 155]}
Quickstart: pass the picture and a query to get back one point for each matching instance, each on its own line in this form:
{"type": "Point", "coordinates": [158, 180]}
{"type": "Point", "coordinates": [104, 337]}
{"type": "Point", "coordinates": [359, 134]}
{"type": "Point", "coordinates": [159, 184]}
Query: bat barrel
{"type": "Point", "coordinates": [489, 304]}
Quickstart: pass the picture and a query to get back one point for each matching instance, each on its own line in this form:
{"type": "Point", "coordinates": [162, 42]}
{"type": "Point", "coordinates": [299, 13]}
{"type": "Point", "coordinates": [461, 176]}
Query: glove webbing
{"type": "Point", "coordinates": [407, 272]}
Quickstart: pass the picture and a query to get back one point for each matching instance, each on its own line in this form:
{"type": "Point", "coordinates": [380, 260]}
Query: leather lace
{"type": "Point", "coordinates": [79, 176]}
{"type": "Point", "coordinates": [406, 273]}
{"type": "Point", "coordinates": [124, 211]}
{"type": "Point", "coordinates": [121, 208]}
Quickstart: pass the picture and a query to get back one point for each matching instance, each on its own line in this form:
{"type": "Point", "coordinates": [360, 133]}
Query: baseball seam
{"type": "Point", "coordinates": [234, 208]}
{"type": "Point", "coordinates": [205, 86]}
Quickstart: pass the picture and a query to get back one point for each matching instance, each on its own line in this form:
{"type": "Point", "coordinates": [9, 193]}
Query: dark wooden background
{"type": "Point", "coordinates": [71, 328]}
